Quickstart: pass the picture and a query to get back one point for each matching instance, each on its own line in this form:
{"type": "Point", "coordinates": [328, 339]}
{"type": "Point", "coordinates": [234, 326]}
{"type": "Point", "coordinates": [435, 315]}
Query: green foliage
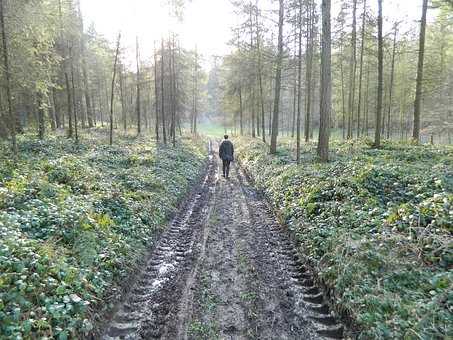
{"type": "Point", "coordinates": [376, 225]}
{"type": "Point", "coordinates": [74, 220]}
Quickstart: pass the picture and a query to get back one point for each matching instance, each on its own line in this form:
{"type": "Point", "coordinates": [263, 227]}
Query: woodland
{"type": "Point", "coordinates": [342, 118]}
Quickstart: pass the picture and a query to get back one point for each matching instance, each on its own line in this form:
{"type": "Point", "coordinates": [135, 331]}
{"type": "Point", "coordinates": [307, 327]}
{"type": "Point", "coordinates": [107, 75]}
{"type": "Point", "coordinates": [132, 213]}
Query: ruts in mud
{"type": "Point", "coordinates": [224, 269]}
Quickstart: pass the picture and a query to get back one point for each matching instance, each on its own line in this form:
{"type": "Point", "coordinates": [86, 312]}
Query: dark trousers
{"type": "Point", "coordinates": [226, 167]}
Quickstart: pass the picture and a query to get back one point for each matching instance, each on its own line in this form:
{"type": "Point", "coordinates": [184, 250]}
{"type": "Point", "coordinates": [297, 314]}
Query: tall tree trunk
{"type": "Point", "coordinates": [123, 100]}
{"type": "Point", "coordinates": [95, 109]}
{"type": "Point", "coordinates": [112, 97]}
{"type": "Point", "coordinates": [195, 118]}
{"type": "Point", "coordinates": [366, 124]}
{"type": "Point", "coordinates": [69, 98]}
{"type": "Point", "coordinates": [260, 76]}
{"type": "Point", "coordinates": [139, 118]}
{"type": "Point", "coordinates": [309, 70]}
{"type": "Point", "coordinates": [156, 95]}
{"type": "Point", "coordinates": [12, 117]}
{"type": "Point", "coordinates": [392, 77]}
{"type": "Point", "coordinates": [299, 84]}
{"type": "Point", "coordinates": [278, 77]}
{"type": "Point", "coordinates": [59, 113]}
{"type": "Point", "coordinates": [343, 102]}
{"type": "Point", "coordinates": [258, 123]}
{"type": "Point", "coordinates": [326, 84]}
{"type": "Point", "coordinates": [171, 93]}
{"type": "Point", "coordinates": [162, 93]}
{"type": "Point", "coordinates": [41, 121]}
{"type": "Point", "coordinates": [419, 82]}
{"type": "Point", "coordinates": [241, 112]}
{"type": "Point", "coordinates": [352, 70]}
{"type": "Point", "coordinates": [52, 112]}
{"type": "Point", "coordinates": [443, 93]}
{"type": "Point", "coordinates": [294, 112]}
{"type": "Point", "coordinates": [4, 121]}
{"type": "Point", "coordinates": [402, 109]}
{"type": "Point", "coordinates": [76, 128]}
{"type": "Point", "coordinates": [384, 101]}
{"type": "Point", "coordinates": [252, 83]}
{"type": "Point", "coordinates": [253, 107]}
{"type": "Point", "coordinates": [87, 94]}
{"type": "Point", "coordinates": [86, 85]}
{"type": "Point", "coordinates": [271, 105]}
{"type": "Point", "coordinates": [377, 134]}
{"type": "Point", "coordinates": [362, 50]}
{"type": "Point", "coordinates": [104, 101]}
{"type": "Point", "coordinates": [173, 84]}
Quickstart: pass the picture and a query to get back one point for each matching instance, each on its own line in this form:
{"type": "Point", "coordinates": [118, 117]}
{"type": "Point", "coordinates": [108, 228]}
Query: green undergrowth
{"type": "Point", "coordinates": [74, 220]}
{"type": "Point", "coordinates": [375, 224]}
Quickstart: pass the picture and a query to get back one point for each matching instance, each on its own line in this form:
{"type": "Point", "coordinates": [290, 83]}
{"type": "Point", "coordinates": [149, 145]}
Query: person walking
{"type": "Point", "coordinates": [226, 154]}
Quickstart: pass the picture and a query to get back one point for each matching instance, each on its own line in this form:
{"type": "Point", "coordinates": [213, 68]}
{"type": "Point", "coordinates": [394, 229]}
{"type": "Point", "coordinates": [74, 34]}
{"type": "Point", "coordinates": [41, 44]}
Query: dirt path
{"type": "Point", "coordinates": [224, 269]}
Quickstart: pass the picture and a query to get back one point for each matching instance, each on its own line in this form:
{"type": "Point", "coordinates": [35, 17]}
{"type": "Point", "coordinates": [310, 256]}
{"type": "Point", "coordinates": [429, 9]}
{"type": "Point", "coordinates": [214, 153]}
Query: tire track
{"type": "Point", "coordinates": [282, 265]}
{"type": "Point", "coordinates": [224, 269]}
{"type": "Point", "coordinates": [148, 306]}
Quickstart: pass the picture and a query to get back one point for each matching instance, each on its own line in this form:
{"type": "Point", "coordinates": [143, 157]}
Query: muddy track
{"type": "Point", "coordinates": [224, 269]}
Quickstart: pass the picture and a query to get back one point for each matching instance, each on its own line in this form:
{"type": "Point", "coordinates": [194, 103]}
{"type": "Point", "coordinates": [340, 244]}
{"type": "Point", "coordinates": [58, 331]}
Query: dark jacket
{"type": "Point", "coordinates": [226, 150]}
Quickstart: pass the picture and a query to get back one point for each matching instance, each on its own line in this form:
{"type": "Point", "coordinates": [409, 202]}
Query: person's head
{"type": "Point", "coordinates": [225, 136]}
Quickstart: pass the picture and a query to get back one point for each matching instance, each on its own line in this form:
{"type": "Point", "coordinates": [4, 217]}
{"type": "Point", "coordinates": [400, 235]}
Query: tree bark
{"type": "Point", "coordinates": [52, 111]}
{"type": "Point", "coordinates": [76, 131]}
{"type": "Point", "coordinates": [173, 91]}
{"type": "Point", "coordinates": [7, 71]}
{"type": "Point", "coordinates": [377, 134]}
{"type": "Point", "coordinates": [309, 70]}
{"type": "Point", "coordinates": [59, 115]}
{"type": "Point", "coordinates": [260, 76]}
{"type": "Point", "coordinates": [69, 98]}
{"type": "Point", "coordinates": [352, 70]}
{"type": "Point", "coordinates": [392, 77]}
{"type": "Point", "coordinates": [112, 96]}
{"type": "Point", "coordinates": [253, 108]}
{"type": "Point", "coordinates": [241, 113]}
{"type": "Point", "coordinates": [299, 84]}
{"type": "Point", "coordinates": [326, 84]}
{"type": "Point", "coordinates": [195, 95]}
{"type": "Point", "coordinates": [162, 93]}
{"type": "Point", "coordinates": [366, 124]}
{"type": "Point", "coordinates": [343, 102]}
{"type": "Point", "coordinates": [85, 74]}
{"type": "Point", "coordinates": [362, 50]}
{"type": "Point", "coordinates": [139, 118]}
{"type": "Point", "coordinates": [278, 76]}
{"type": "Point", "coordinates": [156, 95]}
{"type": "Point", "coordinates": [419, 81]}
{"type": "Point", "coordinates": [294, 114]}
{"type": "Point", "coordinates": [123, 101]}
{"type": "Point", "coordinates": [41, 121]}
{"type": "Point", "coordinates": [195, 118]}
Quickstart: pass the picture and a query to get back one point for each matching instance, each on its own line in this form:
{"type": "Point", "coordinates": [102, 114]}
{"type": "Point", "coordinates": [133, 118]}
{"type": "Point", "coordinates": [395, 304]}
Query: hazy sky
{"type": "Point", "coordinates": [207, 23]}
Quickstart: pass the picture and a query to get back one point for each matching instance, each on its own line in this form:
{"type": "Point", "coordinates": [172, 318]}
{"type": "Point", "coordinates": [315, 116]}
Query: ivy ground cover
{"type": "Point", "coordinates": [73, 222]}
{"type": "Point", "coordinates": [376, 225]}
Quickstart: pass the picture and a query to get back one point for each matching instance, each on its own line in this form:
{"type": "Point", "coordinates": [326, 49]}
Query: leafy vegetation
{"type": "Point", "coordinates": [74, 219]}
{"type": "Point", "coordinates": [375, 224]}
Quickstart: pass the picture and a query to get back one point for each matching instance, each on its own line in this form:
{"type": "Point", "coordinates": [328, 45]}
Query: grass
{"type": "Point", "coordinates": [74, 221]}
{"type": "Point", "coordinates": [207, 328]}
{"type": "Point", "coordinates": [211, 130]}
{"type": "Point", "coordinates": [375, 224]}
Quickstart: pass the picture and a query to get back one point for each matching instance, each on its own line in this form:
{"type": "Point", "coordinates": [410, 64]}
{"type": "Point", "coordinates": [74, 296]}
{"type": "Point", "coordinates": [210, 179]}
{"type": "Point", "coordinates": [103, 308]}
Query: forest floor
{"type": "Point", "coordinates": [224, 269]}
{"type": "Point", "coordinates": [374, 224]}
{"type": "Point", "coordinates": [75, 221]}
